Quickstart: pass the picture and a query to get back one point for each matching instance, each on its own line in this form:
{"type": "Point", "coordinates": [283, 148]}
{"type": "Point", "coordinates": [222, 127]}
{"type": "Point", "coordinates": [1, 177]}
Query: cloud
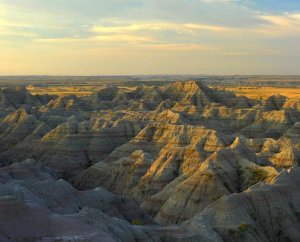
{"type": "Point", "coordinates": [158, 26]}
{"type": "Point", "coordinates": [180, 47]}
{"type": "Point", "coordinates": [141, 33]}
{"type": "Point", "coordinates": [166, 29]}
{"type": "Point", "coordinates": [130, 28]}
{"type": "Point", "coordinates": [281, 25]}
{"type": "Point", "coordinates": [132, 39]}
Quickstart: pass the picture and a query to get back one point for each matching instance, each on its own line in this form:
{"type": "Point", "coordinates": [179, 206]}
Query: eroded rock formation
{"type": "Point", "coordinates": [205, 163]}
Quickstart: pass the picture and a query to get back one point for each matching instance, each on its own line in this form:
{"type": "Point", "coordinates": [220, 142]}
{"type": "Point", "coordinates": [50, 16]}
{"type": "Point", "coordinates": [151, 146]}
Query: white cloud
{"type": "Point", "coordinates": [158, 26]}
{"type": "Point", "coordinates": [281, 25]}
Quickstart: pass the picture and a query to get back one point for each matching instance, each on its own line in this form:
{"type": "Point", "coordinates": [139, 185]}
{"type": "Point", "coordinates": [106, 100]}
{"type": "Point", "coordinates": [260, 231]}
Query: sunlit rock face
{"type": "Point", "coordinates": [186, 161]}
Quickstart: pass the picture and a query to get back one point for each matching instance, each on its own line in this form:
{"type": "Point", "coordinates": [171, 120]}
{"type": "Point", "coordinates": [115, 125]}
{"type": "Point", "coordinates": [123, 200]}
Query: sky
{"type": "Point", "coordinates": [134, 37]}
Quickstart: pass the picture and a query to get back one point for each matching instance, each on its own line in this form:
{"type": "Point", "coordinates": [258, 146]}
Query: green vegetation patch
{"type": "Point", "coordinates": [257, 175]}
{"type": "Point", "coordinates": [136, 222]}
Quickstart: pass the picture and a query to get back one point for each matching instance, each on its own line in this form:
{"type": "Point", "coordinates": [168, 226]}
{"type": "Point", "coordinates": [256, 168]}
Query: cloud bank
{"type": "Point", "coordinates": [135, 36]}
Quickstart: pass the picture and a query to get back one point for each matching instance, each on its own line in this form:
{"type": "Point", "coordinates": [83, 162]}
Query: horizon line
{"type": "Point", "coordinates": [145, 75]}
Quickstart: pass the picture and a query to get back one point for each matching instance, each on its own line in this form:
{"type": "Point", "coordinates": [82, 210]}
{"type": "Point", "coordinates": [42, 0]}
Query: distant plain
{"type": "Point", "coordinates": [260, 87]}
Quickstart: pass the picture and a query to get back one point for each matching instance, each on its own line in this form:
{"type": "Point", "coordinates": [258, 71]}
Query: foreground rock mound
{"type": "Point", "coordinates": [36, 206]}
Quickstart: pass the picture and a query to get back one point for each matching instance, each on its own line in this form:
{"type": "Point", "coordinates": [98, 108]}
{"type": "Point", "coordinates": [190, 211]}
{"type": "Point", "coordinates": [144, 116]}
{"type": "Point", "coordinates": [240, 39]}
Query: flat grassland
{"type": "Point", "coordinates": [62, 91]}
{"type": "Point", "coordinates": [265, 92]}
{"type": "Point", "coordinates": [262, 92]}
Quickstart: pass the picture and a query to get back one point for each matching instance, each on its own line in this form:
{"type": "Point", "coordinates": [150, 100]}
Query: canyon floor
{"type": "Point", "coordinates": [156, 160]}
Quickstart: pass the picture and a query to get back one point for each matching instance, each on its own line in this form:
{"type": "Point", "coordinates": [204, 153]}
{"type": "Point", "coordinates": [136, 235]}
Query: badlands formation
{"type": "Point", "coordinates": [177, 162]}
